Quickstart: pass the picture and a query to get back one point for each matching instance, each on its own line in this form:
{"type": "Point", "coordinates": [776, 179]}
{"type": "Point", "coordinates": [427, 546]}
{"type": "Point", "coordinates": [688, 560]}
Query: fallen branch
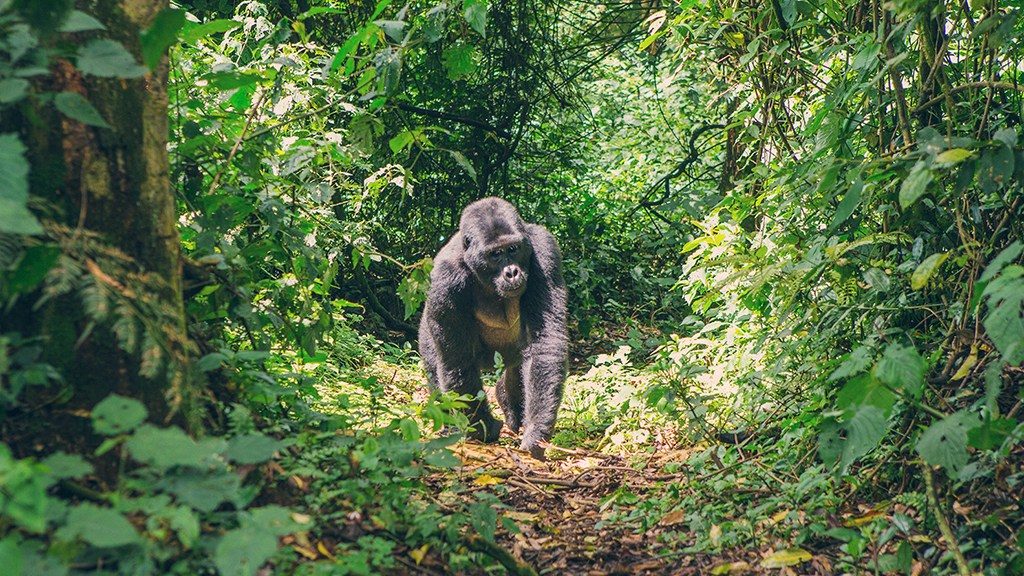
{"type": "Point", "coordinates": [510, 562]}
{"type": "Point", "coordinates": [947, 533]}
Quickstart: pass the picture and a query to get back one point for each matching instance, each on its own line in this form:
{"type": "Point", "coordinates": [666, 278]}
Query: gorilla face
{"type": "Point", "coordinates": [496, 247]}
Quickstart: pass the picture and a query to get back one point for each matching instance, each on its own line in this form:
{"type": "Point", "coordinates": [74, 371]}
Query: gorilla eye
{"type": "Point", "coordinates": [513, 248]}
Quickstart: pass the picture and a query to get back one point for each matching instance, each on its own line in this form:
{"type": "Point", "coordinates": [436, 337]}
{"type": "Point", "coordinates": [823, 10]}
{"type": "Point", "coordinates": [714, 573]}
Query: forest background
{"type": "Point", "coordinates": [792, 235]}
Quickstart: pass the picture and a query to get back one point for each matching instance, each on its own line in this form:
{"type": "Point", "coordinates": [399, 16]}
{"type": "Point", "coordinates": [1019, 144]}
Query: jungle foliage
{"type": "Point", "coordinates": [793, 239]}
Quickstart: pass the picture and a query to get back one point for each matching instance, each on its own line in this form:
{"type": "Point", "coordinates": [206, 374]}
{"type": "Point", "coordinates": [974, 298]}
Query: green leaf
{"type": "Point", "coordinates": [865, 390]}
{"type": "Point", "coordinates": [915, 185]}
{"type": "Point", "coordinates": [76, 107]}
{"type": "Point", "coordinates": [276, 520]}
{"type": "Point", "coordinates": [203, 491]}
{"type": "Point", "coordinates": [996, 265]}
{"type": "Point", "coordinates": [117, 414]}
{"type": "Point", "coordinates": [161, 35]}
{"type": "Point", "coordinates": [926, 269]}
{"type": "Point", "coordinates": [100, 527]}
{"type": "Point", "coordinates": [78, 21]}
{"type": "Point", "coordinates": [11, 556]}
{"type": "Point", "coordinates": [33, 267]}
{"type": "Point", "coordinates": [442, 459]}
{"type": "Point", "coordinates": [13, 90]}
{"type": "Point", "coordinates": [192, 32]}
{"type": "Point", "coordinates": [944, 443]}
{"type": "Point", "coordinates": [185, 524]}
{"type": "Point", "coordinates": [253, 448]}
{"type": "Point", "coordinates": [848, 204]}
{"type": "Point", "coordinates": [231, 79]}
{"type": "Point", "coordinates": [1004, 320]}
{"type": "Point", "coordinates": [464, 163]}
{"type": "Point", "coordinates": [991, 434]}
{"type": "Point", "coordinates": [64, 465]}
{"type": "Point", "coordinates": [401, 141]}
{"type": "Point", "coordinates": [388, 65]}
{"type": "Point", "coordinates": [460, 61]}
{"type": "Point", "coordinates": [167, 447]}
{"type": "Point", "coordinates": [1007, 136]}
{"type": "Point", "coordinates": [243, 550]}
{"type": "Point", "coordinates": [865, 428]}
{"type": "Point", "coordinates": [953, 156]}
{"type": "Point", "coordinates": [15, 217]}
{"type": "Point", "coordinates": [108, 59]}
{"type": "Point", "coordinates": [475, 13]}
{"type": "Point", "coordinates": [901, 367]}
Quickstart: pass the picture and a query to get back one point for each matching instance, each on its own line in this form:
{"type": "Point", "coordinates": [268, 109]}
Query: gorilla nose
{"type": "Point", "coordinates": [511, 273]}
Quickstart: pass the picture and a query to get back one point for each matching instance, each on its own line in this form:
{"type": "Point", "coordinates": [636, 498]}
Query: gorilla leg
{"type": "Point", "coordinates": [544, 375]}
{"type": "Point", "coordinates": [510, 396]}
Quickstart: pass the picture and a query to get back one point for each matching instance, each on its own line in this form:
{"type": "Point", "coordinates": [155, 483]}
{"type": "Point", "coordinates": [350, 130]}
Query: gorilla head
{"type": "Point", "coordinates": [497, 248]}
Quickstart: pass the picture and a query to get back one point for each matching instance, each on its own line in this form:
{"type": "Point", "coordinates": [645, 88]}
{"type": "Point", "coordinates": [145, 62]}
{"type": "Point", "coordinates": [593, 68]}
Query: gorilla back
{"type": "Point", "coordinates": [497, 286]}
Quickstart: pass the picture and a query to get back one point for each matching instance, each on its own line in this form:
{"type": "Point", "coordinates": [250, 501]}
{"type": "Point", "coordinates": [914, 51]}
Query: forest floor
{"type": "Point", "coordinates": [624, 490]}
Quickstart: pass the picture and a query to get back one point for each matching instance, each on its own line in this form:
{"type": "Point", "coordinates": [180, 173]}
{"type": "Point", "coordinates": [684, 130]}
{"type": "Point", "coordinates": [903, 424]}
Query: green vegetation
{"type": "Point", "coordinates": [793, 240]}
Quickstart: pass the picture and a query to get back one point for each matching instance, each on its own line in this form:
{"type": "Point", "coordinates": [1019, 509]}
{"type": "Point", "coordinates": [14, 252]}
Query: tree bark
{"type": "Point", "coordinates": [111, 184]}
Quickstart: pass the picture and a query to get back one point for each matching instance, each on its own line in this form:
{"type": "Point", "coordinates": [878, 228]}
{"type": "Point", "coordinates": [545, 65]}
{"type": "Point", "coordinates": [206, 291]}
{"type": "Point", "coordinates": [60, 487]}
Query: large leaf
{"type": "Point", "coordinates": [944, 443]}
{"type": "Point", "coordinates": [866, 426]}
{"type": "Point", "coordinates": [925, 270]}
{"type": "Point", "coordinates": [78, 21]}
{"type": "Point", "coordinates": [475, 13]}
{"type": "Point", "coordinates": [13, 89]}
{"type": "Point", "coordinates": [160, 35]}
{"type": "Point", "coordinates": [167, 447]}
{"type": "Point", "coordinates": [253, 448]}
{"type": "Point", "coordinates": [101, 527]}
{"type": "Point", "coordinates": [193, 32]}
{"type": "Point", "coordinates": [848, 204]}
{"type": "Point", "coordinates": [76, 107]}
{"type": "Point", "coordinates": [460, 60]}
{"type": "Point", "coordinates": [902, 368]}
{"type": "Point", "coordinates": [15, 217]}
{"type": "Point", "coordinates": [117, 414]}
{"type": "Point", "coordinates": [242, 551]}
{"type": "Point", "coordinates": [1004, 321]}
{"type": "Point", "coordinates": [108, 59]}
{"type": "Point", "coordinates": [203, 491]}
{"type": "Point", "coordinates": [915, 185]}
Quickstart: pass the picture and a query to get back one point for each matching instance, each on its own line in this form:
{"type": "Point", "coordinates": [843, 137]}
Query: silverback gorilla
{"type": "Point", "coordinates": [497, 286]}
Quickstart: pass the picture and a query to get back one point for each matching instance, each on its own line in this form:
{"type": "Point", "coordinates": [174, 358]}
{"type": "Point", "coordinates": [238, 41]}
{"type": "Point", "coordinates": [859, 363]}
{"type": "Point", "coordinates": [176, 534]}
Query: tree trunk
{"type": "Point", "coordinates": [105, 187]}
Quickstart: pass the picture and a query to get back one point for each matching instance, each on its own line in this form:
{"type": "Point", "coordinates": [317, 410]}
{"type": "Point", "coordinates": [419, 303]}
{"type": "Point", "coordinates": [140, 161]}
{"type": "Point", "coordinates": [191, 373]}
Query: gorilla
{"type": "Point", "coordinates": [497, 286]}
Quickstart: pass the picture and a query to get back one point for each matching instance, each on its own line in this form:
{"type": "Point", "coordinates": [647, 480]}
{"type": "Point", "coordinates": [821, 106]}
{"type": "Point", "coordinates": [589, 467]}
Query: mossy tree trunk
{"type": "Point", "coordinates": [111, 186]}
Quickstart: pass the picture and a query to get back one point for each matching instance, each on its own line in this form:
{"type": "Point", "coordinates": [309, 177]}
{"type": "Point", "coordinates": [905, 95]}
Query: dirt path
{"type": "Point", "coordinates": [562, 506]}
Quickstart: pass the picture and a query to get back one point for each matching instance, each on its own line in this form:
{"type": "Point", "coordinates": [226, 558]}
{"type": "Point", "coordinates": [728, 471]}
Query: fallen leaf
{"type": "Point", "coordinates": [969, 362]}
{"type": "Point", "coordinates": [323, 550]}
{"type": "Point", "coordinates": [418, 554]}
{"type": "Point", "coordinates": [309, 553]}
{"type": "Point", "coordinates": [863, 518]}
{"type": "Point", "coordinates": [715, 534]}
{"type": "Point", "coordinates": [486, 480]}
{"type": "Point", "coordinates": [731, 568]}
{"type": "Point", "coordinates": [788, 557]}
{"type": "Point", "coordinates": [779, 516]}
{"type": "Point", "coordinates": [673, 518]}
{"type": "Point", "coordinates": [521, 516]}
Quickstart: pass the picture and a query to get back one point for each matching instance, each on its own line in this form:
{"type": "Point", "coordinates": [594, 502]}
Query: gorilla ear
{"type": "Point", "coordinates": [465, 241]}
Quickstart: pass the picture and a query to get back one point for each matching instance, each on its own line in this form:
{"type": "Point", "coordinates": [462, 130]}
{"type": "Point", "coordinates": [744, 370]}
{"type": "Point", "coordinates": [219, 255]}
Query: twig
{"type": "Point", "coordinates": [947, 533]}
{"type": "Point", "coordinates": [510, 562]}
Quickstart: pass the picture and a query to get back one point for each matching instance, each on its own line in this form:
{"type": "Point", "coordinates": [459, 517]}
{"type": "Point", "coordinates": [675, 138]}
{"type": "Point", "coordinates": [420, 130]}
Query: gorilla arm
{"type": "Point", "coordinates": [452, 329]}
{"type": "Point", "coordinates": [544, 359]}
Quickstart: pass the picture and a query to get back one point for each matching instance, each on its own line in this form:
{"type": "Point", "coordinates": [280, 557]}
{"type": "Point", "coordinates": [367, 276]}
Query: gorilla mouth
{"type": "Point", "coordinates": [511, 288]}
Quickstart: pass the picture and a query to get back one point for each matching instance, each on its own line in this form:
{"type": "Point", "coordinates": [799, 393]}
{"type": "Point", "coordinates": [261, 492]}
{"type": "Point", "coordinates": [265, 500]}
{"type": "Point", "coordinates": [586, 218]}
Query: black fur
{"type": "Point", "coordinates": [497, 287]}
